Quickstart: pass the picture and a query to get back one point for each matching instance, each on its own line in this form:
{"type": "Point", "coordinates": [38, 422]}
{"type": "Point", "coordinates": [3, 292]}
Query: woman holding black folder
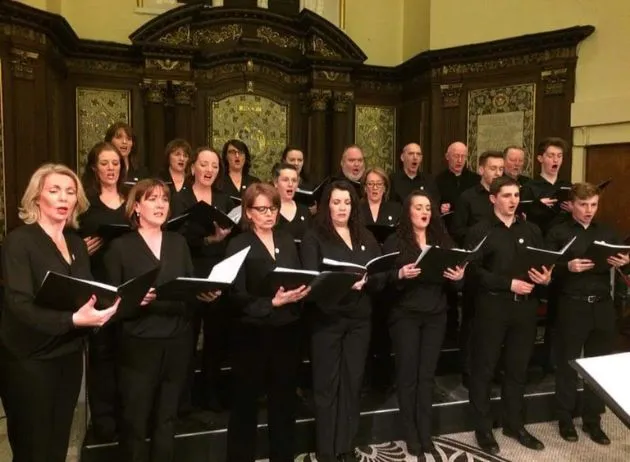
{"type": "Point", "coordinates": [206, 250]}
{"type": "Point", "coordinates": [237, 160]}
{"type": "Point", "coordinates": [155, 340]}
{"type": "Point", "coordinates": [42, 346]}
{"type": "Point", "coordinates": [293, 218]}
{"type": "Point", "coordinates": [417, 317]}
{"type": "Point", "coordinates": [341, 331]}
{"type": "Point", "coordinates": [103, 184]}
{"type": "Point", "coordinates": [266, 335]}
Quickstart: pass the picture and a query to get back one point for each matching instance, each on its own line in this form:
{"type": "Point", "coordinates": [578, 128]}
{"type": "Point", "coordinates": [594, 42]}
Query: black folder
{"type": "Point", "coordinates": [536, 258]}
{"type": "Point", "coordinates": [221, 277]}
{"type": "Point", "coordinates": [65, 293]}
{"type": "Point", "coordinates": [562, 194]}
{"type": "Point", "coordinates": [111, 231]}
{"type": "Point", "coordinates": [381, 232]}
{"type": "Point", "coordinates": [602, 374]}
{"type": "Point", "coordinates": [599, 251]}
{"type": "Point", "coordinates": [376, 265]}
{"type": "Point", "coordinates": [326, 286]}
{"type": "Point", "coordinates": [207, 215]}
{"type": "Point", "coordinates": [309, 197]}
{"type": "Point", "coordinates": [434, 260]}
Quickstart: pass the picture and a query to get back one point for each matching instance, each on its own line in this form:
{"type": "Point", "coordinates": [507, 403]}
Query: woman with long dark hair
{"type": "Point", "coordinates": [103, 184]}
{"type": "Point", "coordinates": [341, 331]}
{"type": "Point", "coordinates": [206, 250]}
{"type": "Point", "coordinates": [417, 317]}
{"type": "Point", "coordinates": [295, 156]}
{"type": "Point", "coordinates": [177, 155]}
{"type": "Point", "coordinates": [121, 135]}
{"type": "Point", "coordinates": [237, 161]}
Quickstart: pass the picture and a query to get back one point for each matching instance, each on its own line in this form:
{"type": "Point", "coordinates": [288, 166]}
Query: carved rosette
{"type": "Point", "coordinates": [342, 100]}
{"type": "Point", "coordinates": [22, 63]}
{"type": "Point", "coordinates": [554, 80]}
{"type": "Point", "coordinates": [167, 64]}
{"type": "Point", "coordinates": [319, 99]}
{"type": "Point", "coordinates": [154, 91]}
{"type": "Point", "coordinates": [450, 94]}
{"type": "Point", "coordinates": [184, 92]}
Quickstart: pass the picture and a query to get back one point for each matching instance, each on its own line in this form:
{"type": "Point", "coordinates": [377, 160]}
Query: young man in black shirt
{"type": "Point", "coordinates": [505, 314]}
{"type": "Point", "coordinates": [586, 315]}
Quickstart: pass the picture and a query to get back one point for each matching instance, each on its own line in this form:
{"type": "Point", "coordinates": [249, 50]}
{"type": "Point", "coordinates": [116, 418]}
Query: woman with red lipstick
{"type": "Point", "coordinates": [237, 160]}
{"type": "Point", "coordinates": [375, 208]}
{"type": "Point", "coordinates": [104, 187]}
{"type": "Point", "coordinates": [42, 347]}
{"type": "Point", "coordinates": [294, 218]}
{"type": "Point", "coordinates": [341, 331]}
{"type": "Point", "coordinates": [266, 336]}
{"type": "Point", "coordinates": [122, 137]}
{"type": "Point", "coordinates": [417, 317]}
{"type": "Point", "coordinates": [155, 344]}
{"type": "Point", "coordinates": [176, 157]}
{"type": "Point", "coordinates": [206, 250]}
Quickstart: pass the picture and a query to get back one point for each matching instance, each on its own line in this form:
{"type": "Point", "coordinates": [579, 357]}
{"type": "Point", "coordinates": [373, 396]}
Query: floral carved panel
{"type": "Point", "coordinates": [375, 132]}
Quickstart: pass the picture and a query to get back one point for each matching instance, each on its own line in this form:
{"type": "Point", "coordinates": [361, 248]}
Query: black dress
{"type": "Point", "coordinates": [266, 351]}
{"type": "Point", "coordinates": [339, 342]}
{"type": "Point", "coordinates": [154, 347]}
{"type": "Point", "coordinates": [213, 317]}
{"type": "Point", "coordinates": [42, 350]}
{"type": "Point", "coordinates": [388, 213]}
{"type": "Point", "coordinates": [103, 397]}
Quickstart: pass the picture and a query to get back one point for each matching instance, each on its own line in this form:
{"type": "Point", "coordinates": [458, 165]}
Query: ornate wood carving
{"type": "Point", "coordinates": [154, 91]}
{"type": "Point", "coordinates": [342, 100]}
{"type": "Point", "coordinates": [450, 94]}
{"type": "Point", "coordinates": [22, 63]}
{"type": "Point", "coordinates": [319, 99]}
{"type": "Point", "coordinates": [184, 92]}
{"type": "Point", "coordinates": [554, 81]}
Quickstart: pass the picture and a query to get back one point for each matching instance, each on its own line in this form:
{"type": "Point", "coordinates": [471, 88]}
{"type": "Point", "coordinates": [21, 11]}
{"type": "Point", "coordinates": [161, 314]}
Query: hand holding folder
{"type": "Point", "coordinates": [434, 261]}
{"type": "Point", "coordinates": [537, 259]}
{"type": "Point", "coordinates": [600, 253]}
{"type": "Point", "coordinates": [376, 265]}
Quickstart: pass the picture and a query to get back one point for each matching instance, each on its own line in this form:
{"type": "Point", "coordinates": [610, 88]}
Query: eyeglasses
{"type": "Point", "coordinates": [375, 185]}
{"type": "Point", "coordinates": [234, 151]}
{"type": "Point", "coordinates": [264, 209]}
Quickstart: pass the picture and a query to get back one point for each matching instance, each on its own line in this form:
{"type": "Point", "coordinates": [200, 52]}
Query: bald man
{"type": "Point", "coordinates": [411, 178]}
{"type": "Point", "coordinates": [456, 179]}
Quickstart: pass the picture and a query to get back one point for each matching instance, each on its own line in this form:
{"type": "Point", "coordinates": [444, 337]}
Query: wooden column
{"type": "Point", "coordinates": [319, 134]}
{"type": "Point", "coordinates": [341, 126]}
{"type": "Point", "coordinates": [155, 122]}
{"type": "Point", "coordinates": [183, 97]}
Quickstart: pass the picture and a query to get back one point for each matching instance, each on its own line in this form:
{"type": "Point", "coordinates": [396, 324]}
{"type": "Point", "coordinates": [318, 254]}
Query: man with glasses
{"type": "Point", "coordinates": [410, 177]}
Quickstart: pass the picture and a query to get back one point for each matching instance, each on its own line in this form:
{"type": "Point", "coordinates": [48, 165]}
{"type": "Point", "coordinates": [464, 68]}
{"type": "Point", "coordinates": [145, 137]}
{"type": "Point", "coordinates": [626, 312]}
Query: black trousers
{"type": "Point", "coordinates": [417, 340]}
{"type": "Point", "coordinates": [588, 326]}
{"type": "Point", "coordinates": [102, 380]}
{"type": "Point", "coordinates": [339, 349]}
{"type": "Point", "coordinates": [265, 360]}
{"type": "Point", "coordinates": [549, 346]}
{"type": "Point", "coordinates": [39, 397]}
{"type": "Point", "coordinates": [469, 293]}
{"type": "Point", "coordinates": [152, 373]}
{"type": "Point", "coordinates": [501, 321]}
{"type": "Point", "coordinates": [452, 315]}
{"type": "Point", "coordinates": [214, 319]}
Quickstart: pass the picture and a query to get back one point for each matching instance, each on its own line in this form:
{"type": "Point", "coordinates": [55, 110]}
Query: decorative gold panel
{"type": "Point", "coordinates": [259, 122]}
{"type": "Point", "coordinates": [3, 204]}
{"type": "Point", "coordinates": [499, 117]}
{"type": "Point", "coordinates": [375, 132]}
{"type": "Point", "coordinates": [97, 109]}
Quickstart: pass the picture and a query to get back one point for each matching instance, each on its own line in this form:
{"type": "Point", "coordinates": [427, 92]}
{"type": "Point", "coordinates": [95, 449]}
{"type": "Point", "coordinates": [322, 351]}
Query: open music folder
{"type": "Point", "coordinates": [309, 197]}
{"type": "Point", "coordinates": [376, 265]}
{"type": "Point", "coordinates": [599, 251]}
{"type": "Point", "coordinates": [537, 258]}
{"type": "Point", "coordinates": [221, 277]}
{"type": "Point", "coordinates": [111, 231]}
{"type": "Point", "coordinates": [434, 260]}
{"type": "Point", "coordinates": [609, 377]}
{"type": "Point", "coordinates": [66, 293]}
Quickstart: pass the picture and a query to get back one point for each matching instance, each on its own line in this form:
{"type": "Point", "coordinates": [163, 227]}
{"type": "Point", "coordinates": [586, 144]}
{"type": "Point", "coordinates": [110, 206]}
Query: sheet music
{"type": "Point", "coordinates": [612, 373]}
{"type": "Point", "coordinates": [227, 270]}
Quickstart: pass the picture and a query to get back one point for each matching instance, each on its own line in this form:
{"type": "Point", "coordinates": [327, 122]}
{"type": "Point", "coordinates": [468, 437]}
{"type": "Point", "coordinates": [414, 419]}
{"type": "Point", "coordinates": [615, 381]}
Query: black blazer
{"type": "Point", "coordinates": [128, 257]}
{"type": "Point", "coordinates": [250, 297]}
{"type": "Point", "coordinates": [388, 213]}
{"type": "Point", "coordinates": [300, 223]}
{"type": "Point", "coordinates": [204, 256]}
{"type": "Point", "coordinates": [29, 330]}
{"type": "Point", "coordinates": [315, 247]}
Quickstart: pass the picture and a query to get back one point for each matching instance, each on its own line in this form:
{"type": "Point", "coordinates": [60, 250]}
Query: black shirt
{"type": "Point", "coordinates": [97, 215]}
{"type": "Point", "coordinates": [298, 225]}
{"type": "Point", "coordinates": [340, 176]}
{"type": "Point", "coordinates": [129, 256]}
{"type": "Point", "coordinates": [402, 186]}
{"type": "Point", "coordinates": [315, 247]}
{"type": "Point", "coordinates": [388, 213]}
{"type": "Point", "coordinates": [520, 179]}
{"type": "Point", "coordinates": [452, 186]}
{"type": "Point", "coordinates": [165, 176]}
{"type": "Point", "coordinates": [228, 187]}
{"type": "Point", "coordinates": [472, 207]}
{"type": "Point", "coordinates": [204, 255]}
{"type": "Point", "coordinates": [592, 282]}
{"type": "Point", "coordinates": [545, 217]}
{"type": "Point", "coordinates": [30, 330]}
{"type": "Point", "coordinates": [495, 266]}
{"type": "Point", "coordinates": [250, 296]}
{"type": "Point", "coordinates": [411, 296]}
